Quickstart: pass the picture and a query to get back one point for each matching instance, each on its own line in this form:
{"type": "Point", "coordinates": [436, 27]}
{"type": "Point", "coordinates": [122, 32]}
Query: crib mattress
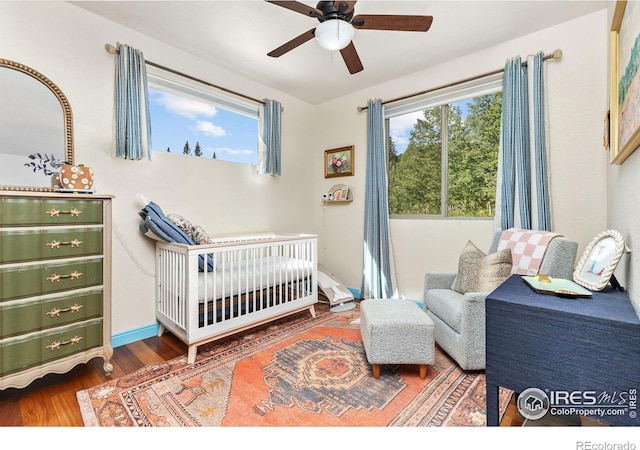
{"type": "Point", "coordinates": [239, 277]}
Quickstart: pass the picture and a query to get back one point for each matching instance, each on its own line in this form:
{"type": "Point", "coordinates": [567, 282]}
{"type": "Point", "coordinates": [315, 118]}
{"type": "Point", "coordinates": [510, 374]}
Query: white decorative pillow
{"type": "Point", "coordinates": [478, 272]}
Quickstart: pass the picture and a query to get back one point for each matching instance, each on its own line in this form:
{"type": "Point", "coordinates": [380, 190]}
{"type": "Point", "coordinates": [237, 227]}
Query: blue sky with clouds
{"type": "Point", "coordinates": [400, 126]}
{"type": "Point", "coordinates": [177, 119]}
{"type": "Point", "coordinates": [400, 129]}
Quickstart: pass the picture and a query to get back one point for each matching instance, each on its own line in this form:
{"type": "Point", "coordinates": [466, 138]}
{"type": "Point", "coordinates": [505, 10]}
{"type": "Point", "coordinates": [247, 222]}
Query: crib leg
{"type": "Point", "coordinates": [191, 354]}
{"type": "Point", "coordinates": [160, 330]}
{"type": "Point", "coordinates": [312, 310]}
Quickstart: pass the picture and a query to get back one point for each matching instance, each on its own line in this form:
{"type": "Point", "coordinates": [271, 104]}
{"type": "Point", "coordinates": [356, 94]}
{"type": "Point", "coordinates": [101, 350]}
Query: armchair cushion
{"type": "Point", "coordinates": [447, 305]}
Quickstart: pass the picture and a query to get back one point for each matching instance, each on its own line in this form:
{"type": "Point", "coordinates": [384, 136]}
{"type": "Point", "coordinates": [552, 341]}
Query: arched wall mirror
{"type": "Point", "coordinates": [35, 117]}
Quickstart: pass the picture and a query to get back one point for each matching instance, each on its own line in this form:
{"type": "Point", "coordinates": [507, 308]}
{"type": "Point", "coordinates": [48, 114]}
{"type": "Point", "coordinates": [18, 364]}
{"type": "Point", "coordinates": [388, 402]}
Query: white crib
{"type": "Point", "coordinates": [250, 280]}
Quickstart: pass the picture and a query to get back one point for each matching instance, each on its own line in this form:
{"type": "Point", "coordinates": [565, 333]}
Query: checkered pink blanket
{"type": "Point", "coordinates": [527, 248]}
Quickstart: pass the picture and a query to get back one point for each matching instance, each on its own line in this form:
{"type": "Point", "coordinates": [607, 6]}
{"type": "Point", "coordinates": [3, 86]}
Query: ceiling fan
{"type": "Point", "coordinates": [336, 28]}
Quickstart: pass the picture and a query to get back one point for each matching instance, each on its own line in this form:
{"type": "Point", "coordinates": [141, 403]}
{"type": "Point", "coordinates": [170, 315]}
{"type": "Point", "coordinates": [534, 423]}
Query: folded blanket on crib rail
{"type": "Point", "coordinates": [157, 226]}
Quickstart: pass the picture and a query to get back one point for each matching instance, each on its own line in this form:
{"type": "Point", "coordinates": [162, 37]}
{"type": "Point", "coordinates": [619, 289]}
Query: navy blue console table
{"type": "Point", "coordinates": [562, 345]}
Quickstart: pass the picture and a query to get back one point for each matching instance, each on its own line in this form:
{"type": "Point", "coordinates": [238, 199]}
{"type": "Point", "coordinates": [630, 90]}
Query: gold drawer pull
{"type": "Point", "coordinates": [56, 244]}
{"type": "Point", "coordinates": [55, 278]}
{"type": "Point", "coordinates": [53, 212]}
{"type": "Point", "coordinates": [55, 312]}
{"type": "Point", "coordinates": [55, 345]}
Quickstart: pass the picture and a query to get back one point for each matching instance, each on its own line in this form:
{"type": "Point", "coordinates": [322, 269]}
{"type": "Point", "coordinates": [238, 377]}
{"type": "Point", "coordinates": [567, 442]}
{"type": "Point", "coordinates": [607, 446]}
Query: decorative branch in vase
{"type": "Point", "coordinates": [64, 175]}
{"type": "Point", "coordinates": [49, 164]}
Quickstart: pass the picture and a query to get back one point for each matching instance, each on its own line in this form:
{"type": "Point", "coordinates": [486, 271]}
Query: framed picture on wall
{"type": "Point", "coordinates": [624, 119]}
{"type": "Point", "coordinates": [338, 162]}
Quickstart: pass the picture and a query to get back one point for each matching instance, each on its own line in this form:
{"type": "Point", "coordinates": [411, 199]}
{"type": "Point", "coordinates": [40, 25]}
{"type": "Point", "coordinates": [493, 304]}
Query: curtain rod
{"type": "Point", "coordinates": [111, 49]}
{"type": "Point", "coordinates": [556, 55]}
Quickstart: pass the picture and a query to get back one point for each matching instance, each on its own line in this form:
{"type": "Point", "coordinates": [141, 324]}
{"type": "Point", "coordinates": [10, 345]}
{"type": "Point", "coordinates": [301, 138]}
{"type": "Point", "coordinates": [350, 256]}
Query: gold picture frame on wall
{"type": "Point", "coordinates": [338, 162]}
{"type": "Point", "coordinates": [624, 119]}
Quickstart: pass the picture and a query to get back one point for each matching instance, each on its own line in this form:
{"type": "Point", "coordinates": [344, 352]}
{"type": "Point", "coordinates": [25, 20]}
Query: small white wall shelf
{"type": "Point", "coordinates": [340, 193]}
{"type": "Point", "coordinates": [332, 202]}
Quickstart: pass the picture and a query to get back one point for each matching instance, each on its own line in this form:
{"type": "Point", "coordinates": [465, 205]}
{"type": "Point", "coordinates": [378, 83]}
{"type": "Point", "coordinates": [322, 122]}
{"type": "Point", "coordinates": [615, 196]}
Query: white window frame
{"type": "Point", "coordinates": [185, 87]}
{"type": "Point", "coordinates": [157, 78]}
{"type": "Point", "coordinates": [438, 98]}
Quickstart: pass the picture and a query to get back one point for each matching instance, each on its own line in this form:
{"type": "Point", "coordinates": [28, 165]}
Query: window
{"type": "Point", "coordinates": [195, 120]}
{"type": "Point", "coordinates": [443, 154]}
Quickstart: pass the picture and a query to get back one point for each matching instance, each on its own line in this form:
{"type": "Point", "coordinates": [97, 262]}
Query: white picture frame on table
{"type": "Point", "coordinates": [599, 260]}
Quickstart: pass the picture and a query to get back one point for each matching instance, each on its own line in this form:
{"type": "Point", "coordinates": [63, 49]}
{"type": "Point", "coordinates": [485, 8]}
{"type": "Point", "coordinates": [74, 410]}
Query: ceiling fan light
{"type": "Point", "coordinates": [334, 34]}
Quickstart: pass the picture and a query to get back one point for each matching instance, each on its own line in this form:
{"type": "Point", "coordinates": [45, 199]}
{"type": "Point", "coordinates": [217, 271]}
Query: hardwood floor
{"type": "Point", "coordinates": [51, 400]}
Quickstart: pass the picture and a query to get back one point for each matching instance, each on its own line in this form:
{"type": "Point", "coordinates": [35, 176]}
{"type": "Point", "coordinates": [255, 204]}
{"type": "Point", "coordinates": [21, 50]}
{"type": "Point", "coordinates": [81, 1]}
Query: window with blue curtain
{"type": "Point", "coordinates": [191, 117]}
{"type": "Point", "coordinates": [194, 120]}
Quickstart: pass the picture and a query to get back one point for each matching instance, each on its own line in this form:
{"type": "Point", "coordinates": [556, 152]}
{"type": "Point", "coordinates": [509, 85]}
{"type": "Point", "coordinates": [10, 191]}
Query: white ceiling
{"type": "Point", "coordinates": [238, 35]}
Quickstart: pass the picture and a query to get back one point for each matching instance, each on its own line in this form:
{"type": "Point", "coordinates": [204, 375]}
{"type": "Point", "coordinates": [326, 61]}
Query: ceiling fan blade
{"type": "Point", "coordinates": [344, 7]}
{"type": "Point", "coordinates": [299, 8]}
{"type": "Point", "coordinates": [293, 43]}
{"type": "Point", "coordinates": [351, 58]}
{"type": "Point", "coordinates": [391, 22]}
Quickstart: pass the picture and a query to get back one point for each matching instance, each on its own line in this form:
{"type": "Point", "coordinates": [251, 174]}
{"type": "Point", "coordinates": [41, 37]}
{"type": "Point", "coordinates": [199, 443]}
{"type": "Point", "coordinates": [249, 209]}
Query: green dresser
{"type": "Point", "coordinates": [55, 284]}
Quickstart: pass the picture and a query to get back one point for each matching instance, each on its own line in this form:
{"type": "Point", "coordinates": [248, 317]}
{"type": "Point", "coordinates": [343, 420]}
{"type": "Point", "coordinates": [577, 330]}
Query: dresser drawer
{"type": "Point", "coordinates": [39, 279]}
{"type": "Point", "coordinates": [33, 315]}
{"type": "Point", "coordinates": [25, 212]}
{"type": "Point", "coordinates": [31, 350]}
{"type": "Point", "coordinates": [33, 245]}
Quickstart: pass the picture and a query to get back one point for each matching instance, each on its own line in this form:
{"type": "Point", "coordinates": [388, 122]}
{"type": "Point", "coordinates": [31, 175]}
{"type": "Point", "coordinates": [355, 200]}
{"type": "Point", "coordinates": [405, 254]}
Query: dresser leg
{"type": "Point", "coordinates": [492, 405]}
{"type": "Point", "coordinates": [107, 366]}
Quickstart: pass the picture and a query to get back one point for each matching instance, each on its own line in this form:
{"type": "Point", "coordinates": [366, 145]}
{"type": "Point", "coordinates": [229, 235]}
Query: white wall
{"type": "Point", "coordinates": [577, 98]}
{"type": "Point", "coordinates": [66, 44]}
{"type": "Point", "coordinates": [623, 214]}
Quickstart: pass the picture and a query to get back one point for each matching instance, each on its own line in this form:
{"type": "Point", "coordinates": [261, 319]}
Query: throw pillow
{"type": "Point", "coordinates": [468, 266]}
{"type": "Point", "coordinates": [494, 270]}
{"type": "Point", "coordinates": [181, 223]}
{"type": "Point", "coordinates": [478, 272]}
{"type": "Point", "coordinates": [199, 235]}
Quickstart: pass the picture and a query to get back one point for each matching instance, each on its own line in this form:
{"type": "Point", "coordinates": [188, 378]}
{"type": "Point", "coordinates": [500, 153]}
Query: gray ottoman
{"type": "Point", "coordinates": [396, 331]}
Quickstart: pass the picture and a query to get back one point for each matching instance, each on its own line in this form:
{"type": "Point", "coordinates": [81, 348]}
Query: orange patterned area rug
{"type": "Point", "coordinates": [298, 372]}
